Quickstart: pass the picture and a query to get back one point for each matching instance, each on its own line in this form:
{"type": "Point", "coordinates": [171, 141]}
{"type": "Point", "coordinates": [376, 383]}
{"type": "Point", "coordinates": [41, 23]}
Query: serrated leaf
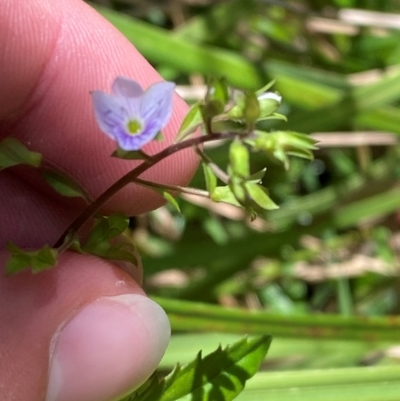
{"type": "Point", "coordinates": [260, 196]}
{"type": "Point", "coordinates": [149, 383]}
{"type": "Point", "coordinates": [171, 200]}
{"type": "Point", "coordinates": [219, 376]}
{"type": "Point", "coordinates": [64, 185]}
{"type": "Point", "coordinates": [210, 178]}
{"type": "Point", "coordinates": [191, 122]}
{"type": "Point", "coordinates": [13, 152]}
{"type": "Point", "coordinates": [36, 261]}
{"type": "Point", "coordinates": [130, 154]}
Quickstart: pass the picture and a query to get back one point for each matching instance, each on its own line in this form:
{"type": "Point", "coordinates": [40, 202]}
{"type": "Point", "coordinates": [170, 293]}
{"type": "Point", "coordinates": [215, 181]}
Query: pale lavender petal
{"type": "Point", "coordinates": [125, 87]}
{"type": "Point", "coordinates": [133, 106]}
{"type": "Point", "coordinates": [157, 103]}
{"type": "Point", "coordinates": [123, 138]}
{"type": "Point", "coordinates": [109, 112]}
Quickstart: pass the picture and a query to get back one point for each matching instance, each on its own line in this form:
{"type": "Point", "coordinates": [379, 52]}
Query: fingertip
{"type": "Point", "coordinates": [107, 349]}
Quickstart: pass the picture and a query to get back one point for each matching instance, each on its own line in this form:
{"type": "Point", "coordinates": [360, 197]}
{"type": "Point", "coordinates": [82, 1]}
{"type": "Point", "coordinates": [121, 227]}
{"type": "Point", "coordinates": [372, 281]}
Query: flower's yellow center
{"type": "Point", "coordinates": [134, 127]}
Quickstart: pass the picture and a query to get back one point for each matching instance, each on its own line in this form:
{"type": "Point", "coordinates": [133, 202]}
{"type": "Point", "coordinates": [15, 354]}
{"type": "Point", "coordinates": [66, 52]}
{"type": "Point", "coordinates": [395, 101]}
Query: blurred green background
{"type": "Point", "coordinates": [321, 274]}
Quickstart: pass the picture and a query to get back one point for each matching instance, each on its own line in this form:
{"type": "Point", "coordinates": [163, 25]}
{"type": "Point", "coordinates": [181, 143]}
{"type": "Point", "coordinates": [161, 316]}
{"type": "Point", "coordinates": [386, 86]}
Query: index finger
{"type": "Point", "coordinates": [55, 53]}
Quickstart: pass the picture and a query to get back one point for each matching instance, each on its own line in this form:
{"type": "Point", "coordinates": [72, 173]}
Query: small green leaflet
{"type": "Point", "coordinates": [171, 200]}
{"type": "Point", "coordinates": [191, 122]}
{"type": "Point", "coordinates": [281, 144]}
{"type": "Point", "coordinates": [130, 155]}
{"type": "Point", "coordinates": [37, 261]}
{"type": "Point", "coordinates": [107, 228]}
{"type": "Point", "coordinates": [64, 185]}
{"type": "Point", "coordinates": [274, 116]}
{"type": "Point", "coordinates": [216, 98]}
{"type": "Point", "coordinates": [258, 176]}
{"type": "Point", "coordinates": [260, 196]}
{"type": "Point", "coordinates": [165, 194]}
{"type": "Point", "coordinates": [239, 159]}
{"type": "Point", "coordinates": [13, 152]}
{"type": "Point", "coordinates": [224, 194]}
{"type": "Point", "coordinates": [99, 240]}
{"type": "Point", "coordinates": [219, 376]}
{"type": "Point", "coordinates": [210, 178]}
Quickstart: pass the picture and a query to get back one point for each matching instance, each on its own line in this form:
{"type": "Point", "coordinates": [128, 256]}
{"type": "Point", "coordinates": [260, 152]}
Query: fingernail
{"type": "Point", "coordinates": [107, 349]}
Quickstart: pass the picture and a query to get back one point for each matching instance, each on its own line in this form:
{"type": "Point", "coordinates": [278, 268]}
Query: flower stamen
{"type": "Point", "coordinates": [134, 127]}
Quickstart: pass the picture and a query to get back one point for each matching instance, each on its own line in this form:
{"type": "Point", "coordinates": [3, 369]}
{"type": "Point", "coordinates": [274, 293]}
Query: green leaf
{"type": "Point", "coordinates": [210, 178]}
{"type": "Point", "coordinates": [217, 92]}
{"type": "Point", "coordinates": [259, 195]}
{"type": "Point", "coordinates": [191, 122]}
{"type": "Point", "coordinates": [238, 189]}
{"type": "Point", "coordinates": [224, 194]}
{"type": "Point", "coordinates": [171, 200]}
{"type": "Point", "coordinates": [109, 251]}
{"type": "Point", "coordinates": [159, 137]}
{"type": "Point", "coordinates": [252, 110]}
{"type": "Point", "coordinates": [216, 230]}
{"type": "Point", "coordinates": [106, 228]}
{"type": "Point", "coordinates": [219, 376]}
{"type": "Point", "coordinates": [280, 144]}
{"type": "Point", "coordinates": [239, 159]}
{"type": "Point", "coordinates": [209, 110]}
{"type": "Point", "coordinates": [13, 152]}
{"type": "Point", "coordinates": [267, 107]}
{"type": "Point", "coordinates": [100, 240]}
{"type": "Point", "coordinates": [229, 125]}
{"type": "Point", "coordinates": [130, 155]}
{"type": "Point", "coordinates": [37, 260]}
{"type": "Point", "coordinates": [273, 116]}
{"type": "Point", "coordinates": [216, 98]}
{"type": "Point", "coordinates": [247, 108]}
{"type": "Point", "coordinates": [236, 112]}
{"type": "Point", "coordinates": [265, 88]}
{"type": "Point", "coordinates": [258, 176]}
{"type": "Point", "coordinates": [64, 185]}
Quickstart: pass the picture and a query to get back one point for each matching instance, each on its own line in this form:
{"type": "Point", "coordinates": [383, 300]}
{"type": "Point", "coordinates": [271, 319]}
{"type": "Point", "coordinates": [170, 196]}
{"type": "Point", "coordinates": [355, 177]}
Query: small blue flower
{"type": "Point", "coordinates": [131, 116]}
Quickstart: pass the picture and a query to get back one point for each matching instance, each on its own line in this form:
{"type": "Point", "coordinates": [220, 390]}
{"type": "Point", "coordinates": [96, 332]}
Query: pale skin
{"type": "Point", "coordinates": [64, 325]}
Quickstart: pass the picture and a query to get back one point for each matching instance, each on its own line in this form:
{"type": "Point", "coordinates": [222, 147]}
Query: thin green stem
{"type": "Point", "coordinates": [214, 167]}
{"type": "Point", "coordinates": [174, 188]}
{"type": "Point", "coordinates": [132, 175]}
